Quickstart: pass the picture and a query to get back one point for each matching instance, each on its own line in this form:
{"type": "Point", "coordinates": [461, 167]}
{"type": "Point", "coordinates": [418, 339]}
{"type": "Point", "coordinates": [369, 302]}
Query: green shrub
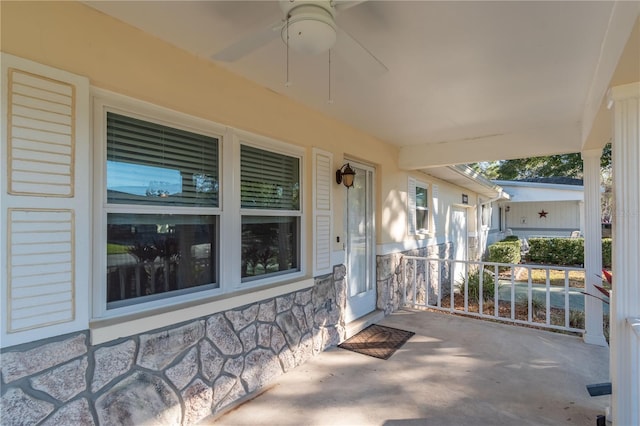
{"type": "Point", "coordinates": [564, 251]}
{"type": "Point", "coordinates": [552, 251]}
{"type": "Point", "coordinates": [556, 251]}
{"type": "Point", "coordinates": [505, 252]}
{"type": "Point", "coordinates": [473, 286]}
{"type": "Point", "coordinates": [606, 252]}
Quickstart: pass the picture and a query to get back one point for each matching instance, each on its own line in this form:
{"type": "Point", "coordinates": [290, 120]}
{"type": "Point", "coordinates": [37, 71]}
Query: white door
{"type": "Point", "coordinates": [458, 236]}
{"type": "Point", "coordinates": [360, 244]}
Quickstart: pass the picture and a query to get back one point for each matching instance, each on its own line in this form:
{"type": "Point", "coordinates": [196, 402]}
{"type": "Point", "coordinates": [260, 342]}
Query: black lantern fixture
{"type": "Point", "coordinates": [345, 175]}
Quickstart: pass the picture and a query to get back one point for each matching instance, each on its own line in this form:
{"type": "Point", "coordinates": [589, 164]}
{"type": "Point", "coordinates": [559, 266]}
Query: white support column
{"type": "Point", "coordinates": [592, 247]}
{"type": "Point", "coordinates": [625, 303]}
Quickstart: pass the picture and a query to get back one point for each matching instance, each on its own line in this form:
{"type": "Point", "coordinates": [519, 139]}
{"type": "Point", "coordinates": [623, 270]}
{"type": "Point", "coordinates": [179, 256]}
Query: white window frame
{"type": "Point", "coordinates": [104, 102]}
{"type": "Point", "coordinates": [413, 208]}
{"type": "Point", "coordinates": [424, 186]}
{"type": "Point", "coordinates": [228, 210]}
{"type": "Point", "coordinates": [267, 144]}
{"type": "Point", "coordinates": [485, 215]}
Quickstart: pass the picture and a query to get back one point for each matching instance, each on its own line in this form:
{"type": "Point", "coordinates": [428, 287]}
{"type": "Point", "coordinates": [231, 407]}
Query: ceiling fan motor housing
{"type": "Point", "coordinates": [310, 27]}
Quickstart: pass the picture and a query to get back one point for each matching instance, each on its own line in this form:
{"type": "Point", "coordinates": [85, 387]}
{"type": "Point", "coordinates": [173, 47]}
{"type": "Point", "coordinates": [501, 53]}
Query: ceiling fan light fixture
{"type": "Point", "coordinates": [310, 30]}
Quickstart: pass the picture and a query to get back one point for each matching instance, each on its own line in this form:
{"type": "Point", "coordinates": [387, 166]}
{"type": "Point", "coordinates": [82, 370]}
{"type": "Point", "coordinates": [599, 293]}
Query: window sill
{"type": "Point", "coordinates": [105, 330]}
{"type": "Point", "coordinates": [424, 234]}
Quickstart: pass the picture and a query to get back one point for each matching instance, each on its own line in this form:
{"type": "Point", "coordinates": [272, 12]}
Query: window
{"type": "Point", "coordinates": [163, 237]}
{"type": "Point", "coordinates": [418, 209]}
{"type": "Point", "coordinates": [270, 213]}
{"type": "Point", "coordinates": [422, 209]}
{"type": "Point", "coordinates": [485, 215]}
{"type": "Point", "coordinates": [162, 203]}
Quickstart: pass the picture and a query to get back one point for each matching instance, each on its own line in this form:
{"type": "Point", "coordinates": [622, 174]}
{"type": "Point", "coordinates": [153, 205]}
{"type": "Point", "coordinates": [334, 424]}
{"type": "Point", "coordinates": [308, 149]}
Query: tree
{"type": "Point", "coordinates": [564, 165]}
{"type": "Point", "coordinates": [567, 165]}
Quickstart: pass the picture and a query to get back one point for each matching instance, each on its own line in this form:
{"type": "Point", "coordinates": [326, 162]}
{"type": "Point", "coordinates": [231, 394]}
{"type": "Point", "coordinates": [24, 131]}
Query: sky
{"type": "Point", "coordinates": [136, 178]}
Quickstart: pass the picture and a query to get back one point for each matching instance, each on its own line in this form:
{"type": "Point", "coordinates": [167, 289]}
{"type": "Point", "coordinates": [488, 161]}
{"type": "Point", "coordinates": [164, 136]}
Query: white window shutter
{"type": "Point", "coordinates": [45, 201]}
{"type": "Point", "coordinates": [411, 207]}
{"type": "Point", "coordinates": [322, 211]}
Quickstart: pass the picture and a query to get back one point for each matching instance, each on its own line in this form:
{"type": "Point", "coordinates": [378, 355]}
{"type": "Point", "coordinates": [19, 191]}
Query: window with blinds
{"type": "Point", "coordinates": [148, 163]}
{"type": "Point", "coordinates": [269, 180]}
{"type": "Point", "coordinates": [165, 252]}
{"type": "Point", "coordinates": [166, 238]}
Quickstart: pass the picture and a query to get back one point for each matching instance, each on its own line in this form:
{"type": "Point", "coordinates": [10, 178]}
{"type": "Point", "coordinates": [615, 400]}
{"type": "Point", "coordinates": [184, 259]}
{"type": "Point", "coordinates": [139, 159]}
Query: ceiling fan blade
{"type": "Point", "coordinates": [353, 52]}
{"type": "Point", "coordinates": [248, 44]}
{"type": "Point", "coordinates": [341, 5]}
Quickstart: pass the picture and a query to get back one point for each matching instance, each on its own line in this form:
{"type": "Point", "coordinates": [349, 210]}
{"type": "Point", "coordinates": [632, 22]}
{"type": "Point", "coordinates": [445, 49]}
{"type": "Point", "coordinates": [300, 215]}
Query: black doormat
{"type": "Point", "coordinates": [377, 341]}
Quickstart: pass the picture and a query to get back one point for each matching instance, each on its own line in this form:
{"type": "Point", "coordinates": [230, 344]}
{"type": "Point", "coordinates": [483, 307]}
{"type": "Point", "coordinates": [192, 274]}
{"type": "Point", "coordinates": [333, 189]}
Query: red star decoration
{"type": "Point", "coordinates": [542, 213]}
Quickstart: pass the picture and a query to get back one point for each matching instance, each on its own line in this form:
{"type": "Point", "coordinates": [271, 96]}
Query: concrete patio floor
{"type": "Point", "coordinates": [454, 371]}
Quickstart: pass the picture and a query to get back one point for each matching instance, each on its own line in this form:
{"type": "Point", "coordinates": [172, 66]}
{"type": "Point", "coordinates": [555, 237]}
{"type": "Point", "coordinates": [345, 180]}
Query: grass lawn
{"type": "Point", "coordinates": [556, 277]}
{"type": "Point", "coordinates": [117, 249]}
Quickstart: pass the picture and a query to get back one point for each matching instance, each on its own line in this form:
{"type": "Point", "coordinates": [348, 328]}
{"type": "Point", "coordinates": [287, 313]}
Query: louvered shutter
{"type": "Point", "coordinates": [411, 206]}
{"type": "Point", "coordinates": [45, 201]}
{"type": "Point", "coordinates": [322, 212]}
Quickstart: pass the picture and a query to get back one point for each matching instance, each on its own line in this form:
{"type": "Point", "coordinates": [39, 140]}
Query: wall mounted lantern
{"type": "Point", "coordinates": [345, 175]}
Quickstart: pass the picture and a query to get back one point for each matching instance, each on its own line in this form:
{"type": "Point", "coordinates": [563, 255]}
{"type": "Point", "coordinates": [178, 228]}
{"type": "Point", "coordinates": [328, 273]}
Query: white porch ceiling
{"type": "Point", "coordinates": [467, 81]}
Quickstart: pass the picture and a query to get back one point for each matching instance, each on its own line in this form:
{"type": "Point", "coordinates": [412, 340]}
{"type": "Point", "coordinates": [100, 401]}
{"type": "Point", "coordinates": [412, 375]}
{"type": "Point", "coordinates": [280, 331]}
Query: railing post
{"type": "Point", "coordinates": [481, 288]}
{"type": "Point", "coordinates": [415, 281]}
{"type": "Point", "coordinates": [404, 280]}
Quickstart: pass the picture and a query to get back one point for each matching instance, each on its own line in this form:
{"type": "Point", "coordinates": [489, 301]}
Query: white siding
{"type": "Point", "coordinates": [525, 220]}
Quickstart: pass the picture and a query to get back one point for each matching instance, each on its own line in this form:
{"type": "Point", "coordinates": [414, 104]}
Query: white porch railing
{"type": "Point", "coordinates": [458, 287]}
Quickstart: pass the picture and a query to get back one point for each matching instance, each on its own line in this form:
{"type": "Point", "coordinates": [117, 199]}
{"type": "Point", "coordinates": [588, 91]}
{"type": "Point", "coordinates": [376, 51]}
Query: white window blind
{"type": "Point", "coordinates": [269, 180]}
{"type": "Point", "coordinates": [148, 163]}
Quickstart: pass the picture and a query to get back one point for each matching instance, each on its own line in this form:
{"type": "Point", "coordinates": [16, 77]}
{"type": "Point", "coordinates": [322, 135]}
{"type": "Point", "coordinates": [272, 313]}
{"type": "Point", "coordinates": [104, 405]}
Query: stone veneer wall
{"type": "Point", "coordinates": [391, 273]}
{"type": "Point", "coordinates": [176, 375]}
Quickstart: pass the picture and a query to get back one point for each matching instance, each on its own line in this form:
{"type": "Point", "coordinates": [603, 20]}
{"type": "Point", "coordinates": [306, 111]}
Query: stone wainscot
{"type": "Point", "coordinates": [187, 372]}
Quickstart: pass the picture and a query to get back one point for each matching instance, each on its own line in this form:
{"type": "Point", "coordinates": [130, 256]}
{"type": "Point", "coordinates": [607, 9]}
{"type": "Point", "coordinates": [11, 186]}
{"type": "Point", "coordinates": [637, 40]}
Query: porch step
{"type": "Point", "coordinates": [355, 326]}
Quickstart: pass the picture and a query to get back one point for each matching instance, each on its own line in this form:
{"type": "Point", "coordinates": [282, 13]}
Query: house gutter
{"type": "Point", "coordinates": [471, 174]}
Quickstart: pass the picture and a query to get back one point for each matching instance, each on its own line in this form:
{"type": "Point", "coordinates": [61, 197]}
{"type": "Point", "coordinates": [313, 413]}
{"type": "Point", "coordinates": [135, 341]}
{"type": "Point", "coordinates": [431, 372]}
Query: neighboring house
{"type": "Point", "coordinates": [545, 207]}
{"type": "Point", "coordinates": [156, 239]}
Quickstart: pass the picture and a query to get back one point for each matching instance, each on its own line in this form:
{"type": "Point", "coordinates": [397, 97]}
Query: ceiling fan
{"type": "Point", "coordinates": [308, 27]}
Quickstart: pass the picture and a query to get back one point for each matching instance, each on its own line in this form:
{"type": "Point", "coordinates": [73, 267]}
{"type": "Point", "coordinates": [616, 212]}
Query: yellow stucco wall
{"type": "Point", "coordinates": [123, 59]}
